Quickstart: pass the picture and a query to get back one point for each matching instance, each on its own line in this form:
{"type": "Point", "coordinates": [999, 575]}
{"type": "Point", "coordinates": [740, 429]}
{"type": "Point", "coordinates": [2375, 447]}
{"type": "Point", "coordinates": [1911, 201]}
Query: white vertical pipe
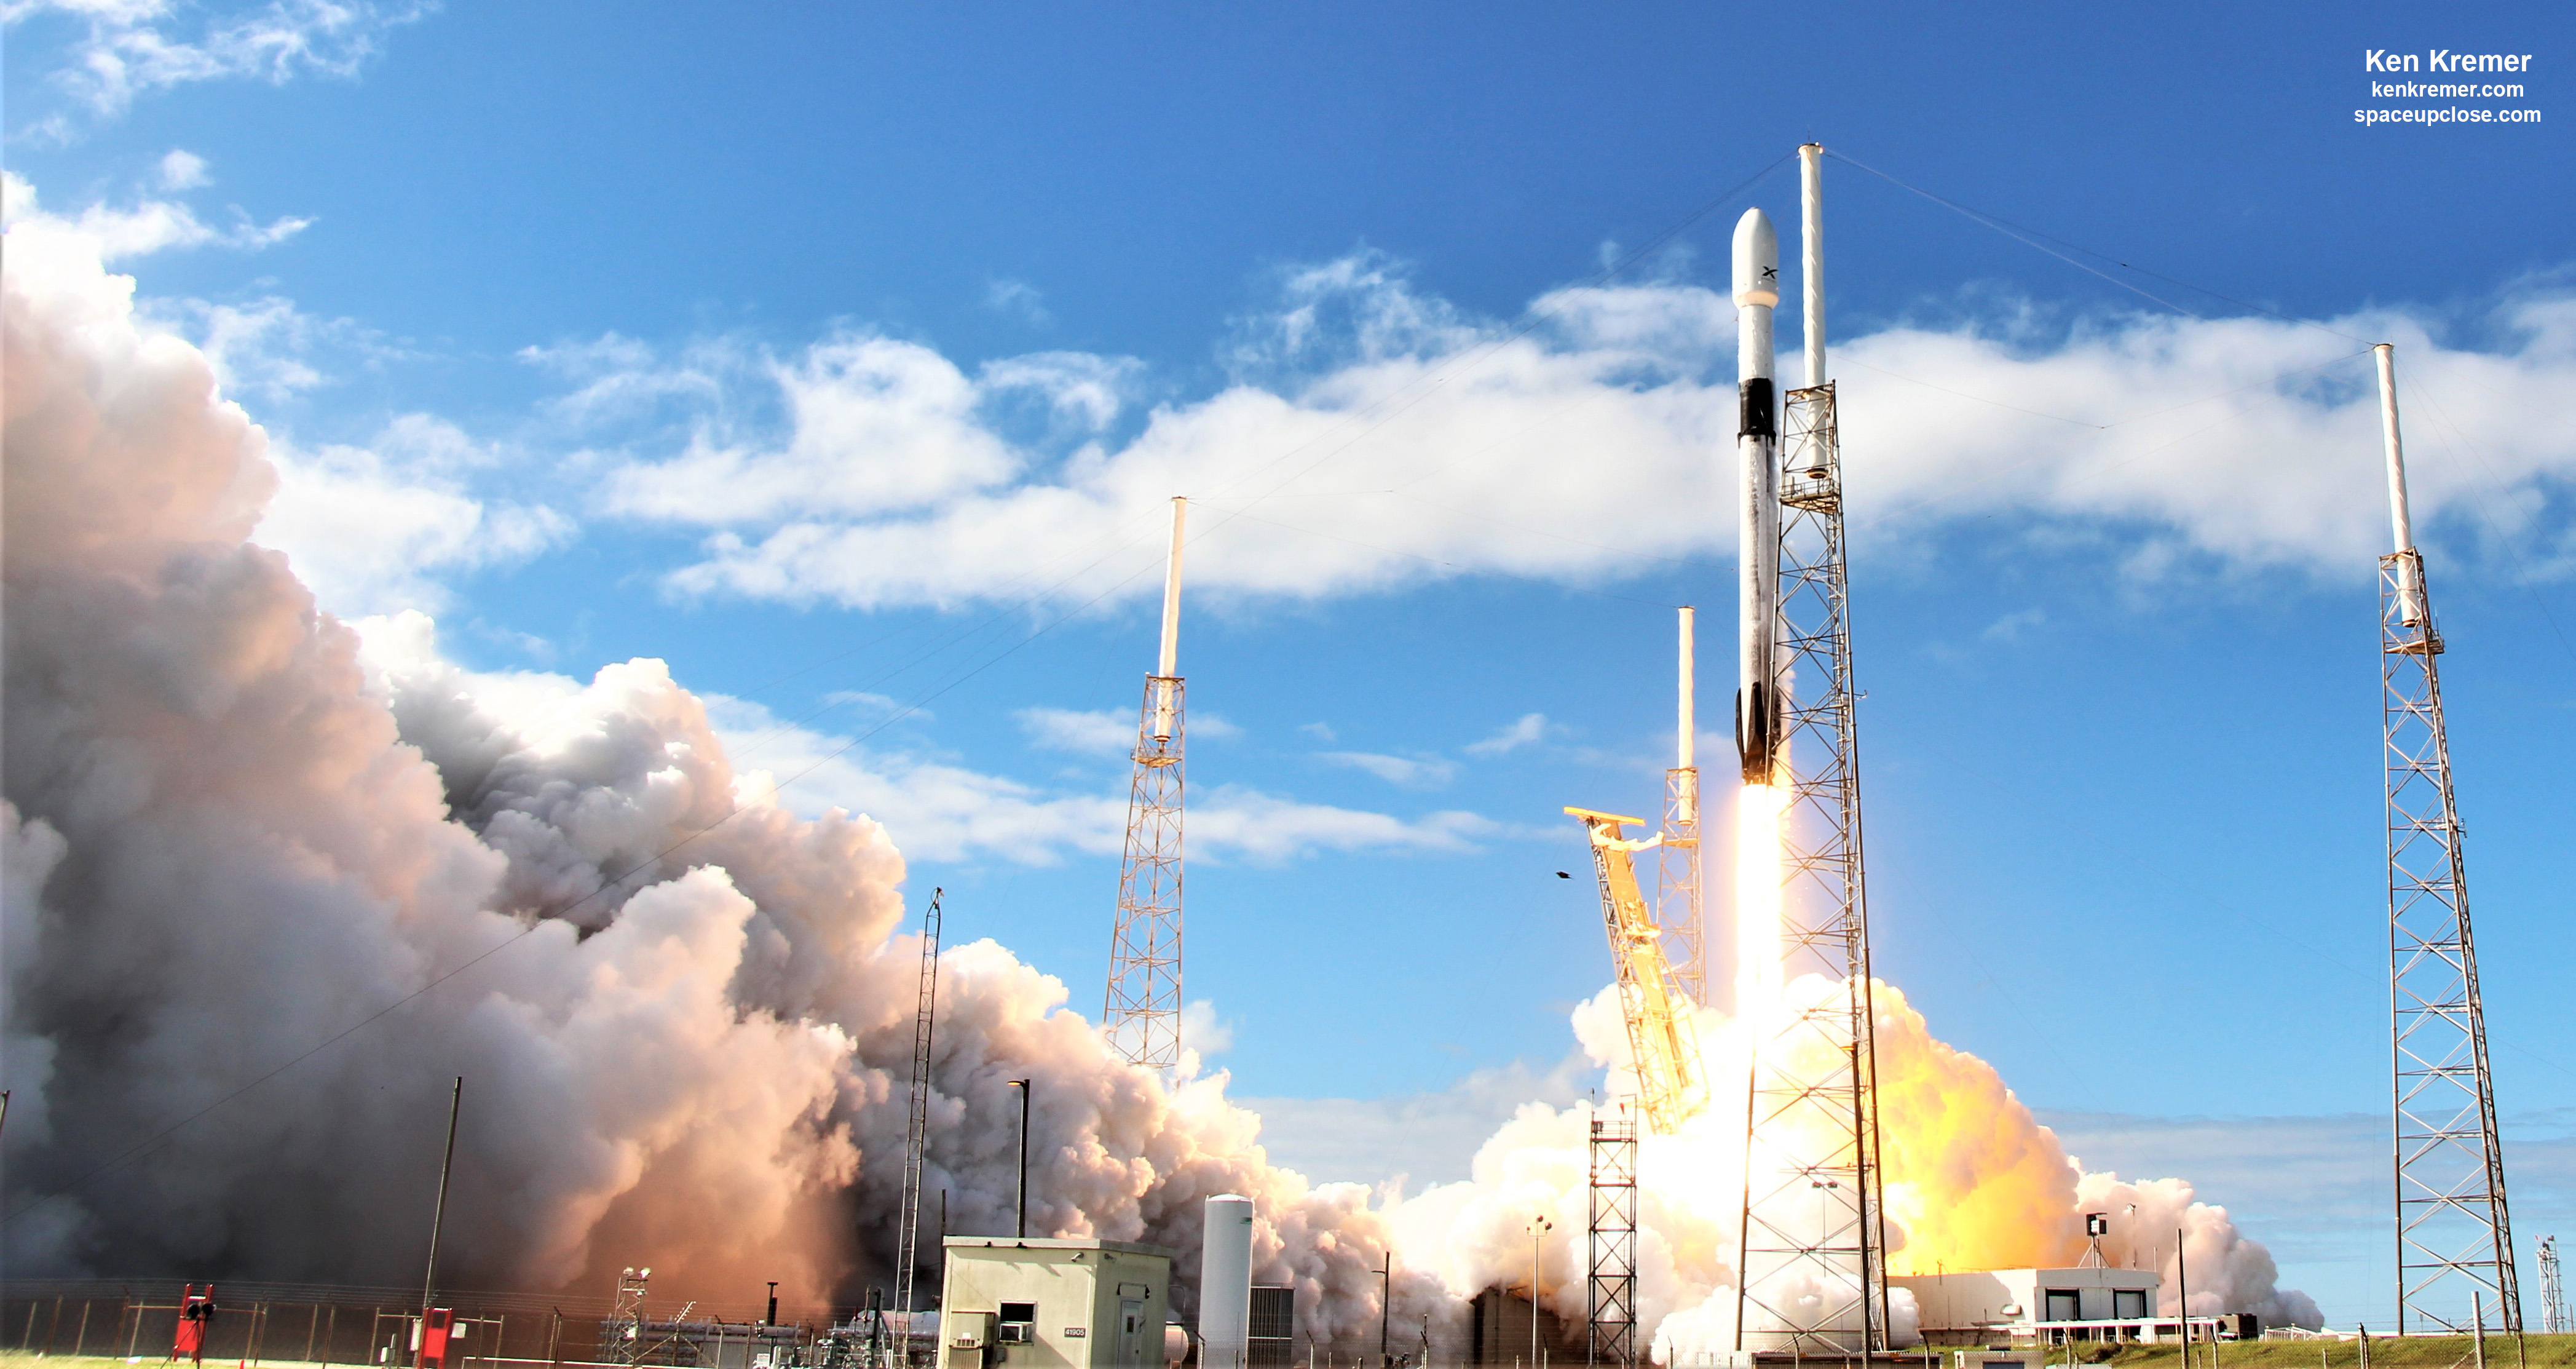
{"type": "Point", "coordinates": [1690, 694]}
{"type": "Point", "coordinates": [2410, 598]}
{"type": "Point", "coordinates": [1225, 1283]}
{"type": "Point", "coordinates": [1172, 593]}
{"type": "Point", "coordinates": [1171, 657]}
{"type": "Point", "coordinates": [1811, 204]}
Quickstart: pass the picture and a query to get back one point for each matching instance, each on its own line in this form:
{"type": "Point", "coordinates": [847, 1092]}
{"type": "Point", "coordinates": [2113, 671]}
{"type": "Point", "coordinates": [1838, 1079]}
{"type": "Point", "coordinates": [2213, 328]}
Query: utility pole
{"type": "Point", "coordinates": [1385, 1304]}
{"type": "Point", "coordinates": [1020, 1195]}
{"type": "Point", "coordinates": [438, 1214]}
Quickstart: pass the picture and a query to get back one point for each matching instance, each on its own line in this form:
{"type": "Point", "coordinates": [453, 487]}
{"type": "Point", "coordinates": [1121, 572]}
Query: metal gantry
{"type": "Point", "coordinates": [2455, 1265]}
{"type": "Point", "coordinates": [916, 1136]}
{"type": "Point", "coordinates": [1611, 1270]}
{"type": "Point", "coordinates": [1814, 1276]}
{"type": "Point", "coordinates": [1663, 1041]}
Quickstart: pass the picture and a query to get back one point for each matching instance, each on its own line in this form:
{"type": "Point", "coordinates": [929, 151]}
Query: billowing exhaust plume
{"type": "Point", "coordinates": [239, 832]}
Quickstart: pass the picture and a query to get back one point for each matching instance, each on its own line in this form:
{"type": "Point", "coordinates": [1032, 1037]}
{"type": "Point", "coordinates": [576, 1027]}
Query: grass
{"type": "Point", "coordinates": [2414, 1352]}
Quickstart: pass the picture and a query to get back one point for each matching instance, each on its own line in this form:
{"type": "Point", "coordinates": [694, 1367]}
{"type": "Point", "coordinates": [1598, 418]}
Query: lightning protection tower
{"type": "Point", "coordinates": [2553, 1295]}
{"type": "Point", "coordinates": [916, 1138]}
{"type": "Point", "coordinates": [1143, 1013]}
{"type": "Point", "coordinates": [1677, 862]}
{"type": "Point", "coordinates": [2454, 1237]}
{"type": "Point", "coordinates": [1814, 1244]}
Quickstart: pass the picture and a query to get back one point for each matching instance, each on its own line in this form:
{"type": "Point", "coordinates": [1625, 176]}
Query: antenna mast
{"type": "Point", "coordinates": [2454, 1237]}
{"type": "Point", "coordinates": [1142, 1015]}
{"type": "Point", "coordinates": [1813, 1262]}
{"type": "Point", "coordinates": [916, 1141]}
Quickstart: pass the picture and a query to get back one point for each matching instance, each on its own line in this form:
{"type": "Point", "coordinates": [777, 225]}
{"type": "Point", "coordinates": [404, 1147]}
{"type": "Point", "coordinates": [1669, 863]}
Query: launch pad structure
{"type": "Point", "coordinates": [2455, 1259]}
{"type": "Point", "coordinates": [1812, 1254]}
{"type": "Point", "coordinates": [1142, 1015]}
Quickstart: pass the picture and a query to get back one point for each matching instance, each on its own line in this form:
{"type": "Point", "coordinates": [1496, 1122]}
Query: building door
{"type": "Point", "coordinates": [1131, 1333]}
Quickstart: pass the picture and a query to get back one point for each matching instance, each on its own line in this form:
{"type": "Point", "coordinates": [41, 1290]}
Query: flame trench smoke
{"type": "Point", "coordinates": [234, 827]}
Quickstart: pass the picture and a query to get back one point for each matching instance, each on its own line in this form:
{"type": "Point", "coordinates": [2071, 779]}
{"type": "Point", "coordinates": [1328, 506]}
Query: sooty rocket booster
{"type": "Point", "coordinates": [1757, 448]}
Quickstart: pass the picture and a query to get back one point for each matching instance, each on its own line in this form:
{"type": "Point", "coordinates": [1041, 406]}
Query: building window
{"type": "Point", "coordinates": [1019, 1323]}
{"type": "Point", "coordinates": [2063, 1305]}
{"type": "Point", "coordinates": [2129, 1302]}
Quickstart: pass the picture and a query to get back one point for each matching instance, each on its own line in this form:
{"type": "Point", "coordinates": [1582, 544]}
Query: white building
{"type": "Point", "coordinates": [2083, 1303]}
{"type": "Point", "coordinates": [1046, 1304]}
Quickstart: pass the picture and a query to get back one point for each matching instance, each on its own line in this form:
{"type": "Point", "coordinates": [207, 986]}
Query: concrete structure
{"type": "Point", "coordinates": [1040, 1304]}
{"type": "Point", "coordinates": [2092, 1303]}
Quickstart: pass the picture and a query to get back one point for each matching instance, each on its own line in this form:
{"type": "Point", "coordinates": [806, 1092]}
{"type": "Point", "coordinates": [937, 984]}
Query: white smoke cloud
{"type": "Point", "coordinates": [238, 839]}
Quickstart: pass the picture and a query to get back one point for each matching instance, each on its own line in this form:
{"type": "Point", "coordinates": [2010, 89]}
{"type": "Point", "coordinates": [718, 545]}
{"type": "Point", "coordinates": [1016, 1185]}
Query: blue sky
{"type": "Point", "coordinates": [561, 316]}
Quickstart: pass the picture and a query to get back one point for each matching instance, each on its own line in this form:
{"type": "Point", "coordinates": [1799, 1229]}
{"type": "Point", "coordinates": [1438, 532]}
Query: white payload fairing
{"type": "Point", "coordinates": [1757, 449]}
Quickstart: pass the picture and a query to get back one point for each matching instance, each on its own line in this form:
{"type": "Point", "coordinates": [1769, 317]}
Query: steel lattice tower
{"type": "Point", "coordinates": [1142, 1014]}
{"type": "Point", "coordinates": [1812, 1273]}
{"type": "Point", "coordinates": [1611, 1270]}
{"type": "Point", "coordinates": [2454, 1234]}
{"type": "Point", "coordinates": [1677, 861]}
{"type": "Point", "coordinates": [2553, 1296]}
{"type": "Point", "coordinates": [916, 1141]}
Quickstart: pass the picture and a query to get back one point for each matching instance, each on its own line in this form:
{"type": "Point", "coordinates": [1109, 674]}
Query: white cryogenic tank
{"type": "Point", "coordinates": [1225, 1282]}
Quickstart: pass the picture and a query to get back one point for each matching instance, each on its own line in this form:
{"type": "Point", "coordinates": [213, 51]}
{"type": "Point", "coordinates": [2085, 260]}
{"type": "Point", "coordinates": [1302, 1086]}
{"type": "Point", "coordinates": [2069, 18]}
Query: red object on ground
{"type": "Point", "coordinates": [196, 1317]}
{"type": "Point", "coordinates": [434, 1331]}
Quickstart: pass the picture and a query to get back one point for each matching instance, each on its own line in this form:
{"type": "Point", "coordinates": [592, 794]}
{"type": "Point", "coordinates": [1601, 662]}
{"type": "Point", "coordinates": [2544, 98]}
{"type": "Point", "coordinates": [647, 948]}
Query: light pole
{"type": "Point", "coordinates": [1020, 1195]}
{"type": "Point", "coordinates": [1539, 1226]}
{"type": "Point", "coordinates": [1385, 1303]}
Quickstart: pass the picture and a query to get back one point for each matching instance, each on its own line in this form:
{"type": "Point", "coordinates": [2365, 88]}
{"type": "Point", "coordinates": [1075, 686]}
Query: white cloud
{"type": "Point", "coordinates": [1374, 438]}
{"type": "Point", "coordinates": [939, 810]}
{"type": "Point", "coordinates": [160, 225]}
{"type": "Point", "coordinates": [183, 170]}
{"type": "Point", "coordinates": [1096, 732]}
{"type": "Point", "coordinates": [1410, 772]}
{"type": "Point", "coordinates": [267, 347]}
{"type": "Point", "coordinates": [1007, 296]}
{"type": "Point", "coordinates": [131, 47]}
{"type": "Point", "coordinates": [371, 528]}
{"type": "Point", "coordinates": [1526, 730]}
{"type": "Point", "coordinates": [2011, 626]}
{"type": "Point", "coordinates": [876, 427]}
